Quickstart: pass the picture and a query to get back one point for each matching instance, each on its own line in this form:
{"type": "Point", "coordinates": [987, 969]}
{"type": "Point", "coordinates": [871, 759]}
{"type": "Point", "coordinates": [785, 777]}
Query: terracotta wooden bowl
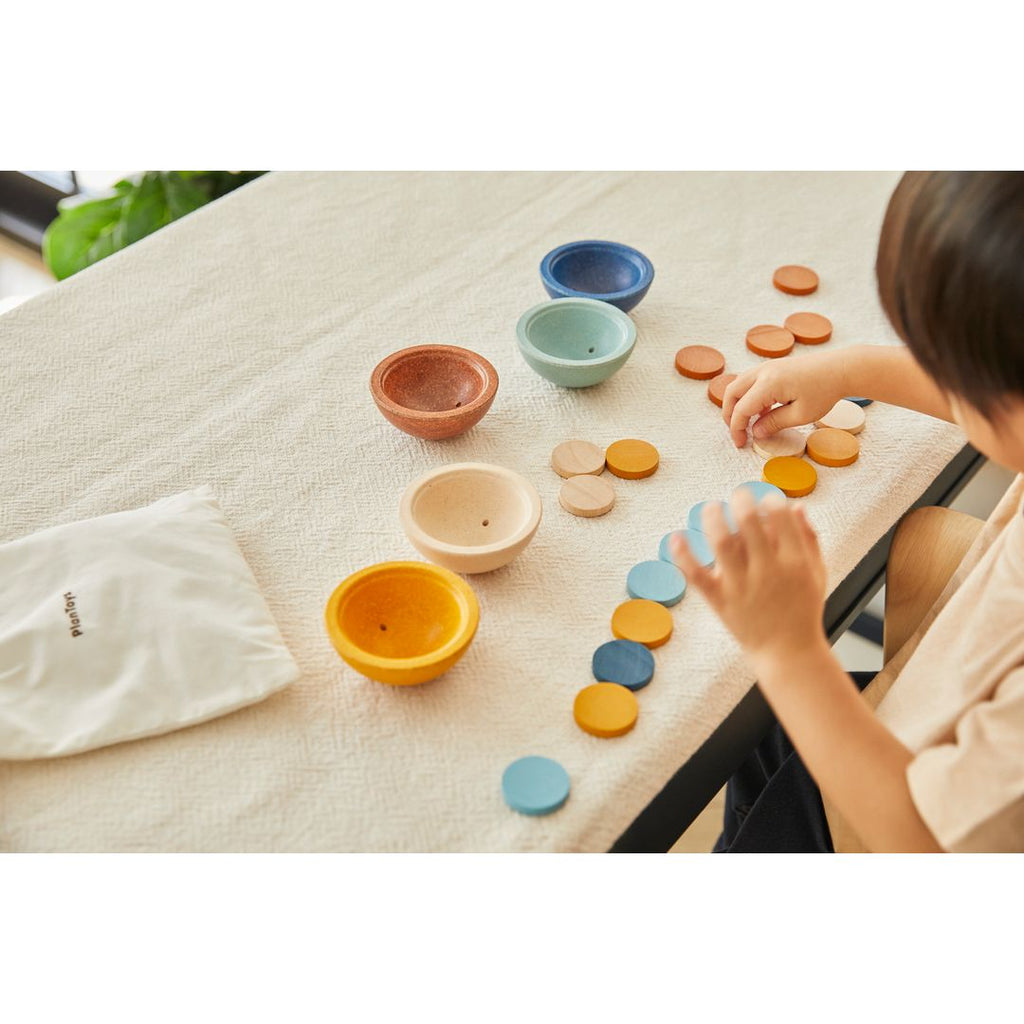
{"type": "Point", "coordinates": [434, 391]}
{"type": "Point", "coordinates": [471, 516]}
{"type": "Point", "coordinates": [402, 622]}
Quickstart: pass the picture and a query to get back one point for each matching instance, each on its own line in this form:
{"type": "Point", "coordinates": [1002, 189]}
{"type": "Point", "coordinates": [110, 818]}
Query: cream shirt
{"type": "Point", "coordinates": [954, 695]}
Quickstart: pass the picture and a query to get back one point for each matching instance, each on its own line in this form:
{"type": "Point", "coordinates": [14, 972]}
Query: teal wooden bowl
{"type": "Point", "coordinates": [575, 342]}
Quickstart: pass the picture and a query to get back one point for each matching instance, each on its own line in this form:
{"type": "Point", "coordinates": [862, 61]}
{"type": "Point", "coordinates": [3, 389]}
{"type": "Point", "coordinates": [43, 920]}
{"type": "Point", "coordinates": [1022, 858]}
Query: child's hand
{"type": "Point", "coordinates": [768, 581]}
{"type": "Point", "coordinates": [807, 387]}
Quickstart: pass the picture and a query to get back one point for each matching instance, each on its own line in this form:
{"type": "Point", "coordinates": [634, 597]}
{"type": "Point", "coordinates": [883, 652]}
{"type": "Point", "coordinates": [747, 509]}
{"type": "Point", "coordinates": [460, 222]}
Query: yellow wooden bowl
{"type": "Point", "coordinates": [402, 622]}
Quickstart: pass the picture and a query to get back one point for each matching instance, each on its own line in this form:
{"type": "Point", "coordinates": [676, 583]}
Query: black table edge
{"type": "Point", "coordinates": [694, 785]}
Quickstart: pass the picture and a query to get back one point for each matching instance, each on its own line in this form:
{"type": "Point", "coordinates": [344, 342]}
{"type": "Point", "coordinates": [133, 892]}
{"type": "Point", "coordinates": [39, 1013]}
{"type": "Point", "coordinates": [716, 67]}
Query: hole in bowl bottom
{"type": "Point", "coordinates": [486, 522]}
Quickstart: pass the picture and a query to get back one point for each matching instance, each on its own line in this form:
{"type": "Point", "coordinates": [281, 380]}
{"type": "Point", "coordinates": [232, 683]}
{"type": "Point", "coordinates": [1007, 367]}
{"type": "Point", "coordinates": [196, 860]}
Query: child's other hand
{"type": "Point", "coordinates": [806, 388]}
{"type": "Point", "coordinates": [768, 581]}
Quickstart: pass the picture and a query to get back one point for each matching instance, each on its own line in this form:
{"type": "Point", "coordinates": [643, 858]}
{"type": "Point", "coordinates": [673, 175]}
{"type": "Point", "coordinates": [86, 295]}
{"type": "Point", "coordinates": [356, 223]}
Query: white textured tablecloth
{"type": "Point", "coordinates": [234, 348]}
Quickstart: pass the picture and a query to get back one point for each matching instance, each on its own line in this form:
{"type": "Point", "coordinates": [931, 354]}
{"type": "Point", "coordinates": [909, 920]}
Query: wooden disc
{"type": "Point", "coordinates": [632, 459]}
{"type": "Point", "coordinates": [770, 341]}
{"type": "Point", "coordinates": [587, 496]}
{"type": "Point", "coordinates": [717, 386]}
{"type": "Point", "coordinates": [624, 662]}
{"type": "Point", "coordinates": [809, 328]}
{"type": "Point", "coordinates": [657, 580]}
{"type": "Point", "coordinates": [605, 709]}
{"type": "Point", "coordinates": [700, 362]}
{"type": "Point", "coordinates": [859, 400]}
{"type": "Point", "coordinates": [795, 280]}
{"type": "Point", "coordinates": [844, 415]}
{"type": "Point", "coordinates": [646, 622]}
{"type": "Point", "coordinates": [785, 442]}
{"type": "Point", "coordinates": [793, 476]}
{"type": "Point", "coordinates": [535, 785]}
{"type": "Point", "coordinates": [577, 458]}
{"type": "Point", "coordinates": [831, 447]}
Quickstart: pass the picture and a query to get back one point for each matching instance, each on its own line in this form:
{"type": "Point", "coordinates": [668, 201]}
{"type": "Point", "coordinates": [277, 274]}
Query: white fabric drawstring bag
{"type": "Point", "coordinates": [130, 625]}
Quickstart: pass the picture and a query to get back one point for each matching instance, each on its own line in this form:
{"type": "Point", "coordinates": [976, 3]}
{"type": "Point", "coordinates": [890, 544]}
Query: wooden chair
{"type": "Point", "coordinates": [927, 547]}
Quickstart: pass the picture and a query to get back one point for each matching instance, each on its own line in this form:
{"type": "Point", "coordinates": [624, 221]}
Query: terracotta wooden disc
{"type": "Point", "coordinates": [700, 362]}
{"type": "Point", "coordinates": [785, 442]}
{"type": "Point", "coordinates": [793, 476]}
{"type": "Point", "coordinates": [632, 459]}
{"type": "Point", "coordinates": [717, 386]}
{"type": "Point", "coordinates": [605, 709]}
{"type": "Point", "coordinates": [644, 621]}
{"type": "Point", "coordinates": [832, 447]}
{"type": "Point", "coordinates": [576, 458]}
{"type": "Point", "coordinates": [844, 415]}
{"type": "Point", "coordinates": [770, 341]}
{"type": "Point", "coordinates": [587, 496]}
{"type": "Point", "coordinates": [809, 328]}
{"type": "Point", "coordinates": [794, 280]}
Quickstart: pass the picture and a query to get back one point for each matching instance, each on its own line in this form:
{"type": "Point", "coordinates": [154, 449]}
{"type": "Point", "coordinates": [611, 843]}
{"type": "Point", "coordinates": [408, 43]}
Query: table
{"type": "Point", "coordinates": [234, 348]}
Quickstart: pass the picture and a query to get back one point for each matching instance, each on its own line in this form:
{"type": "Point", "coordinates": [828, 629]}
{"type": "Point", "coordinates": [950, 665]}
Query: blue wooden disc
{"type": "Point", "coordinates": [699, 545]}
{"type": "Point", "coordinates": [861, 401]}
{"type": "Point", "coordinates": [694, 517]}
{"type": "Point", "coordinates": [759, 490]}
{"type": "Point", "coordinates": [535, 785]}
{"type": "Point", "coordinates": [659, 581]}
{"type": "Point", "coordinates": [624, 662]}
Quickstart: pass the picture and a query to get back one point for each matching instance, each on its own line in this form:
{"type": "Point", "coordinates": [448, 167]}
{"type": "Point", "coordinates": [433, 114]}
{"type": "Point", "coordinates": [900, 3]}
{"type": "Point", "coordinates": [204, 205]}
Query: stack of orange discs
{"type": "Point", "coordinates": [770, 341]}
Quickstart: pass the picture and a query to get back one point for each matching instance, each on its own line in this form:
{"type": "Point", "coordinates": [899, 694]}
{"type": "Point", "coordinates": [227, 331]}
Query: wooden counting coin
{"type": "Point", "coordinates": [717, 386]}
{"type": "Point", "coordinates": [632, 459]}
{"type": "Point", "coordinates": [794, 477]}
{"type": "Point", "coordinates": [795, 280]}
{"type": "Point", "coordinates": [535, 785]}
{"type": "Point", "coordinates": [587, 496]}
{"type": "Point", "coordinates": [605, 709]}
{"type": "Point", "coordinates": [577, 458]}
{"type": "Point", "coordinates": [844, 415]}
{"type": "Point", "coordinates": [832, 447]}
{"type": "Point", "coordinates": [809, 328]}
{"type": "Point", "coordinates": [646, 622]}
{"type": "Point", "coordinates": [785, 442]}
{"type": "Point", "coordinates": [770, 341]}
{"type": "Point", "coordinates": [700, 362]}
{"type": "Point", "coordinates": [624, 662]}
{"type": "Point", "coordinates": [657, 581]}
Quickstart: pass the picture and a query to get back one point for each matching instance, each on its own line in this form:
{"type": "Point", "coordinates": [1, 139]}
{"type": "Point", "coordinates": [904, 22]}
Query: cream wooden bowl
{"type": "Point", "coordinates": [471, 516]}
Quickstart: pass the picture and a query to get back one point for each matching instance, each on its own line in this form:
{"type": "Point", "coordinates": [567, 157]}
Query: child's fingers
{"type": "Point", "coordinates": [759, 396]}
{"type": "Point", "coordinates": [787, 532]}
{"type": "Point", "coordinates": [696, 575]}
{"type": "Point", "coordinates": [735, 391]}
{"type": "Point", "coordinates": [807, 532]}
{"type": "Point", "coordinates": [778, 419]}
{"type": "Point", "coordinates": [727, 546]}
{"type": "Point", "coordinates": [748, 522]}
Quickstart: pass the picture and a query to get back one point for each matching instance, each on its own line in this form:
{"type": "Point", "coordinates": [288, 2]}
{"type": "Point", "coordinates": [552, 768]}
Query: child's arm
{"type": "Point", "coordinates": [768, 587]}
{"type": "Point", "coordinates": [808, 386]}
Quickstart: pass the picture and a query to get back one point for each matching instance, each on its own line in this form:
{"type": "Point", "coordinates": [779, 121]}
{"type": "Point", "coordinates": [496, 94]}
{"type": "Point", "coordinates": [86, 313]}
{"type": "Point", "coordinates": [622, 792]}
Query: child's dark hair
{"type": "Point", "coordinates": [950, 273]}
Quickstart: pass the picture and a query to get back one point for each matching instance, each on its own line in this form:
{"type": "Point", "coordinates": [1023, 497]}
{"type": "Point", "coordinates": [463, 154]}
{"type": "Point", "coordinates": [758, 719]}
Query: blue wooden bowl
{"type": "Point", "coordinates": [575, 342]}
{"type": "Point", "coordinates": [607, 271]}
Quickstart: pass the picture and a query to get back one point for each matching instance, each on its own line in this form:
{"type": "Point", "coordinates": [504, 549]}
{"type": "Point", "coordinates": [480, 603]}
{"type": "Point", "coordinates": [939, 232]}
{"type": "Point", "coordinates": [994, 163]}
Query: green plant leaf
{"type": "Point", "coordinates": [81, 234]}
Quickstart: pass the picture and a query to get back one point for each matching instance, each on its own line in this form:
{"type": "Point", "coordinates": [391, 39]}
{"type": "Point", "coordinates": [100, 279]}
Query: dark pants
{"type": "Point", "coordinates": [772, 805]}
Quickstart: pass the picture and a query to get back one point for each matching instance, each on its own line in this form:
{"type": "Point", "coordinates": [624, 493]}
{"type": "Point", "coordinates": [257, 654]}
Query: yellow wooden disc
{"type": "Point", "coordinates": [577, 458]}
{"type": "Point", "coordinates": [605, 709]}
{"type": "Point", "coordinates": [646, 622]}
{"type": "Point", "coordinates": [791, 475]}
{"type": "Point", "coordinates": [832, 447]}
{"type": "Point", "coordinates": [632, 459]}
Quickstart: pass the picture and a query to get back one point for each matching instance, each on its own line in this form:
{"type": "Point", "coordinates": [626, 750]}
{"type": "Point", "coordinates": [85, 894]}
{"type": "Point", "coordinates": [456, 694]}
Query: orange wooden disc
{"type": "Point", "coordinates": [717, 386]}
{"type": "Point", "coordinates": [605, 709]}
{"type": "Point", "coordinates": [770, 341]}
{"type": "Point", "coordinates": [700, 362]}
{"type": "Point", "coordinates": [647, 622]}
{"type": "Point", "coordinates": [794, 280]}
{"type": "Point", "coordinates": [791, 475]}
{"type": "Point", "coordinates": [832, 447]}
{"type": "Point", "coordinates": [632, 459]}
{"type": "Point", "coordinates": [809, 328]}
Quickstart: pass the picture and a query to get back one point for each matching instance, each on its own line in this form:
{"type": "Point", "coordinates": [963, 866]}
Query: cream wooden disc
{"type": "Point", "coordinates": [587, 496]}
{"type": "Point", "coordinates": [577, 458]}
{"type": "Point", "coordinates": [785, 442]}
{"type": "Point", "coordinates": [844, 415]}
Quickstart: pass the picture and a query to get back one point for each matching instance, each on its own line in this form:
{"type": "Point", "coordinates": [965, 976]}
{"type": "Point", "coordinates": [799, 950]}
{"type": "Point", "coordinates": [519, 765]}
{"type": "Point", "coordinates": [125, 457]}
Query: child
{"type": "Point", "coordinates": [940, 764]}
